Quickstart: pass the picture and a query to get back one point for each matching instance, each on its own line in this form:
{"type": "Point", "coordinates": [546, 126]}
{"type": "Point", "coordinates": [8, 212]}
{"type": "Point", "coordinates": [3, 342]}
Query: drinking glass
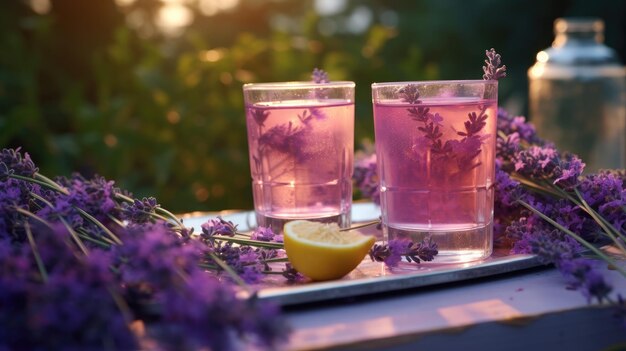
{"type": "Point", "coordinates": [301, 146]}
{"type": "Point", "coordinates": [435, 146]}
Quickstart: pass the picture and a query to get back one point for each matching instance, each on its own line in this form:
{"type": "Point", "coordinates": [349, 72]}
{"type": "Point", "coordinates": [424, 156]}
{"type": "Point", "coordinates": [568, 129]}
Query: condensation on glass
{"type": "Point", "coordinates": [577, 94]}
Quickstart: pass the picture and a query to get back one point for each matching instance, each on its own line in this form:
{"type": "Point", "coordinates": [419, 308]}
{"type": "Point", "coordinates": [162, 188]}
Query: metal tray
{"type": "Point", "coordinates": [370, 277]}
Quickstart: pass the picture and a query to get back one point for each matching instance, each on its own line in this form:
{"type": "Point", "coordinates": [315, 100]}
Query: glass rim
{"type": "Point", "coordinates": [297, 85]}
{"type": "Point", "coordinates": [436, 82]}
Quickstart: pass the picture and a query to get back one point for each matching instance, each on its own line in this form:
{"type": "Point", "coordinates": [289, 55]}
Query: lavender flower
{"type": "Point", "coordinates": [366, 177]}
{"type": "Point", "coordinates": [319, 76]}
{"type": "Point", "coordinates": [140, 211]}
{"type": "Point", "coordinates": [493, 69]}
{"type": "Point", "coordinates": [410, 94]}
{"type": "Point", "coordinates": [95, 196]}
{"type": "Point", "coordinates": [73, 309]}
{"type": "Point", "coordinates": [285, 138]}
{"type": "Point", "coordinates": [16, 163]}
{"type": "Point", "coordinates": [392, 252]}
{"type": "Point", "coordinates": [53, 296]}
{"type": "Point", "coordinates": [585, 277]}
{"type": "Point", "coordinates": [259, 116]}
{"type": "Point", "coordinates": [266, 234]}
{"type": "Point", "coordinates": [217, 226]}
{"type": "Point", "coordinates": [291, 274]}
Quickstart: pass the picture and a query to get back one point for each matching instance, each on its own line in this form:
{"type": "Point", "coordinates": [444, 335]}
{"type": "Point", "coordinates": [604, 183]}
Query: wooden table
{"type": "Point", "coordinates": [528, 310]}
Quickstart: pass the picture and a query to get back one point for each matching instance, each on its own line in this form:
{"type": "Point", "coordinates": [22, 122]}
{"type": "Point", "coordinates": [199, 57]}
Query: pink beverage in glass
{"type": "Point", "coordinates": [435, 145]}
{"type": "Point", "coordinates": [300, 138]}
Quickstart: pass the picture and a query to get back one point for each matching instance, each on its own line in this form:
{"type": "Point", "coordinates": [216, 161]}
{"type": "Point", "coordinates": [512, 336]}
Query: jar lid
{"type": "Point", "coordinates": [578, 25]}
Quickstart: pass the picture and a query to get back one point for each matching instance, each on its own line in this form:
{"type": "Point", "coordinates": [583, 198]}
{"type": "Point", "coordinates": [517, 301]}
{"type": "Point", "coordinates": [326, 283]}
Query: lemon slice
{"type": "Point", "coordinates": [321, 252]}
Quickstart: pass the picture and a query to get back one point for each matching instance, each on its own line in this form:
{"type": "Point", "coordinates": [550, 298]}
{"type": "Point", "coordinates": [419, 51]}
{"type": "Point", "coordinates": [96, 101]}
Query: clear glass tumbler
{"type": "Point", "coordinates": [435, 145]}
{"type": "Point", "coordinates": [301, 146]}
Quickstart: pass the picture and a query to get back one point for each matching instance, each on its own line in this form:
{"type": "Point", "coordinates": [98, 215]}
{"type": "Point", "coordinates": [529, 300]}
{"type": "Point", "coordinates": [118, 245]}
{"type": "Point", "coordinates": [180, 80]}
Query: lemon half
{"type": "Point", "coordinates": [321, 252]}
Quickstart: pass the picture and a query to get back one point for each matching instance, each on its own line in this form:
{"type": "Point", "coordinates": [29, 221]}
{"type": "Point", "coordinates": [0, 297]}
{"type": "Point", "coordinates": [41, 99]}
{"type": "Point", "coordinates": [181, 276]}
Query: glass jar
{"type": "Point", "coordinates": [577, 94]}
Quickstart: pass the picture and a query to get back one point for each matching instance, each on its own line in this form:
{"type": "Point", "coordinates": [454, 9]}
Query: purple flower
{"type": "Point", "coordinates": [15, 163]}
{"type": "Point", "coordinates": [507, 149]}
{"type": "Point", "coordinates": [266, 234]}
{"type": "Point", "coordinates": [396, 250]}
{"type": "Point", "coordinates": [14, 194]}
{"type": "Point", "coordinates": [366, 177]}
{"type": "Point", "coordinates": [410, 93]}
{"type": "Point", "coordinates": [568, 171]}
{"type": "Point", "coordinates": [286, 138]}
{"type": "Point", "coordinates": [582, 275]}
{"type": "Point", "coordinates": [259, 115]}
{"type": "Point", "coordinates": [509, 124]}
{"type": "Point", "coordinates": [140, 211]}
{"type": "Point", "coordinates": [319, 76]}
{"type": "Point", "coordinates": [493, 69]}
{"type": "Point", "coordinates": [436, 118]}
{"type": "Point", "coordinates": [246, 261]}
{"type": "Point", "coordinates": [550, 245]}
{"type": "Point", "coordinates": [537, 162]}
{"type": "Point", "coordinates": [202, 312]}
{"type": "Point", "coordinates": [291, 274]}
{"type": "Point", "coordinates": [606, 193]}
{"type": "Point", "coordinates": [73, 309]}
{"type": "Point", "coordinates": [508, 190]}
{"type": "Point", "coordinates": [392, 252]}
{"type": "Point", "coordinates": [217, 226]}
{"type": "Point", "coordinates": [95, 196]}
{"type": "Point", "coordinates": [475, 123]}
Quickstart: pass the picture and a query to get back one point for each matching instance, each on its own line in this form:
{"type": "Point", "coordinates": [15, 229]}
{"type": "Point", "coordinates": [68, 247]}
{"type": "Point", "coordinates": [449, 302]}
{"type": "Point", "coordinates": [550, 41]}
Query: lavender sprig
{"type": "Point", "coordinates": [81, 260]}
{"type": "Point", "coordinates": [392, 252]}
{"type": "Point", "coordinates": [493, 69]}
{"type": "Point", "coordinates": [319, 76]}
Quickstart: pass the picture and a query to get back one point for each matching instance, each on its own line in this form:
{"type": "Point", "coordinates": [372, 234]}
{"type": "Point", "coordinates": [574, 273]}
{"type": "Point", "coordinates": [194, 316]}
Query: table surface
{"type": "Point", "coordinates": [531, 309]}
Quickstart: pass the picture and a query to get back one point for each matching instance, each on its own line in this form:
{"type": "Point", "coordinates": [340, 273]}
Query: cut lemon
{"type": "Point", "coordinates": [321, 252]}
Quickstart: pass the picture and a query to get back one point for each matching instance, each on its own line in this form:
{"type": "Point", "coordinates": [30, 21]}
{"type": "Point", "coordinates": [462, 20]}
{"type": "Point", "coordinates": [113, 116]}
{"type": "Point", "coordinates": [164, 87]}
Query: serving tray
{"type": "Point", "coordinates": [369, 277]}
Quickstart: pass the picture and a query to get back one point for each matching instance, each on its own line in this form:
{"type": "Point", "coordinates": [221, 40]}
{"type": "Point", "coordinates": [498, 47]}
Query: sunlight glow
{"type": "Point", "coordinates": [480, 311]}
{"type": "Point", "coordinates": [329, 7]}
{"type": "Point", "coordinates": [173, 17]}
{"type": "Point", "coordinates": [359, 20]}
{"type": "Point", "coordinates": [212, 7]}
{"type": "Point", "coordinates": [125, 2]}
{"type": "Point", "coordinates": [212, 55]}
{"type": "Point", "coordinates": [40, 6]}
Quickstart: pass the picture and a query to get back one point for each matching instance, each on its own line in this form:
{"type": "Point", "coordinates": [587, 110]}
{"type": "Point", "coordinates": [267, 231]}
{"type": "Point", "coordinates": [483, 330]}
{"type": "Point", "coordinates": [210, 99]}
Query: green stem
{"type": "Point", "coordinates": [39, 182]}
{"type": "Point", "coordinates": [171, 217]}
{"type": "Point", "coordinates": [272, 272]}
{"type": "Point", "coordinates": [97, 242]}
{"type": "Point", "coordinates": [33, 216]}
{"type": "Point", "coordinates": [207, 266]}
{"type": "Point", "coordinates": [255, 243]}
{"type": "Point", "coordinates": [116, 221]}
{"type": "Point", "coordinates": [33, 246]}
{"type": "Point", "coordinates": [575, 236]}
{"type": "Point", "coordinates": [74, 236]}
{"type": "Point", "coordinates": [105, 243]}
{"type": "Point", "coordinates": [607, 227]}
{"type": "Point", "coordinates": [86, 215]}
{"type": "Point", "coordinates": [99, 224]}
{"type": "Point", "coordinates": [276, 259]}
{"type": "Point", "coordinates": [367, 224]}
{"type": "Point", "coordinates": [534, 185]}
{"type": "Point", "coordinates": [52, 183]}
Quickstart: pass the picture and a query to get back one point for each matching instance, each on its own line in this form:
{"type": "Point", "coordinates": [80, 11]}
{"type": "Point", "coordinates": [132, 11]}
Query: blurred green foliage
{"type": "Point", "coordinates": [81, 90]}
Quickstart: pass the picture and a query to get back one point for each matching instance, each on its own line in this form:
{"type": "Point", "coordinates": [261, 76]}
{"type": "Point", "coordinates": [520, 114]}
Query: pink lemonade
{"type": "Point", "coordinates": [436, 165]}
{"type": "Point", "coordinates": [301, 159]}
